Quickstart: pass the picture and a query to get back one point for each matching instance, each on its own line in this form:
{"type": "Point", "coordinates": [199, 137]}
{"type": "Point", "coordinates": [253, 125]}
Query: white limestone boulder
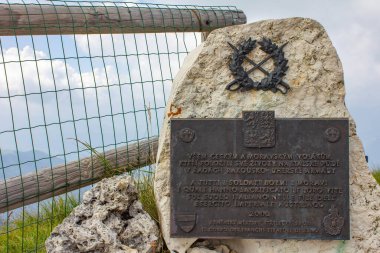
{"type": "Point", "coordinates": [317, 91]}
{"type": "Point", "coordinates": [110, 219]}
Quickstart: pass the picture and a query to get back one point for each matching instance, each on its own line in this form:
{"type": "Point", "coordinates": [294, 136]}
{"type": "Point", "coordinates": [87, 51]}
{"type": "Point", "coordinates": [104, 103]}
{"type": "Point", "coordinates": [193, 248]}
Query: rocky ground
{"type": "Point", "coordinates": [110, 219]}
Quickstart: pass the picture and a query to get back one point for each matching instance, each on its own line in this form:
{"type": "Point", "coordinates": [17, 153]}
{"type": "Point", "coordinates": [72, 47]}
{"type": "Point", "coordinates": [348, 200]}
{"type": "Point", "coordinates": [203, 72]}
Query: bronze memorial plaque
{"type": "Point", "coordinates": [260, 177]}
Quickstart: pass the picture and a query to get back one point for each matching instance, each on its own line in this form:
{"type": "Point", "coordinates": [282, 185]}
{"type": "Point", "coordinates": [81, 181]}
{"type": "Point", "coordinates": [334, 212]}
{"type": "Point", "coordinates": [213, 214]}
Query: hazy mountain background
{"type": "Point", "coordinates": [14, 163]}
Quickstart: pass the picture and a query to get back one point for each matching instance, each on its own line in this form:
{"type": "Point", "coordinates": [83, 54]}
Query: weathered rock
{"type": "Point", "coordinates": [316, 77]}
{"type": "Point", "coordinates": [209, 246]}
{"type": "Point", "coordinates": [110, 219]}
{"type": "Point", "coordinates": [222, 249]}
{"type": "Point", "coordinates": [201, 250]}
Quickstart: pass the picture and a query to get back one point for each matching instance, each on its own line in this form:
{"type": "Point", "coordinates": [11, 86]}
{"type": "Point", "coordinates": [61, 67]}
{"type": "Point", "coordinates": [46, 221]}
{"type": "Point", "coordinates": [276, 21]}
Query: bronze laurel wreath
{"type": "Point", "coordinates": [273, 80]}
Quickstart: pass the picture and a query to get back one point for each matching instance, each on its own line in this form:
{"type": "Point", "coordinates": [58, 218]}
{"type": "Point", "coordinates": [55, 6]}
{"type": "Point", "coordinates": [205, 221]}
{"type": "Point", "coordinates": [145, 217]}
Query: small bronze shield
{"type": "Point", "coordinates": [333, 222]}
{"type": "Point", "coordinates": [186, 221]}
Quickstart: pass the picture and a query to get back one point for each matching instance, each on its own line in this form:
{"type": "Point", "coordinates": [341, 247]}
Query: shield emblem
{"type": "Point", "coordinates": [186, 221]}
{"type": "Point", "coordinates": [259, 129]}
{"type": "Point", "coordinates": [333, 222]}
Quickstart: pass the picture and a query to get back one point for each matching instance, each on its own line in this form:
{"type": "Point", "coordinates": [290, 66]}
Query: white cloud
{"type": "Point", "coordinates": [128, 73]}
{"type": "Point", "coordinates": [30, 71]}
{"type": "Point", "coordinates": [366, 8]}
{"type": "Point", "coordinates": [20, 71]}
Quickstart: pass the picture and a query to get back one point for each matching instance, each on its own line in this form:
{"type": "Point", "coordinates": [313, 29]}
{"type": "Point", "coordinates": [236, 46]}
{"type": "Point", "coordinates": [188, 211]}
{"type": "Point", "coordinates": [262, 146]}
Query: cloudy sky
{"type": "Point", "coordinates": [354, 28]}
{"type": "Point", "coordinates": [352, 25]}
{"type": "Point", "coordinates": [105, 90]}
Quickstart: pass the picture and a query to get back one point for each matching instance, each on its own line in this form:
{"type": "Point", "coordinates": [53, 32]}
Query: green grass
{"type": "Point", "coordinates": [376, 174]}
{"type": "Point", "coordinates": [146, 195]}
{"type": "Point", "coordinates": [28, 232]}
{"type": "Point", "coordinates": [31, 236]}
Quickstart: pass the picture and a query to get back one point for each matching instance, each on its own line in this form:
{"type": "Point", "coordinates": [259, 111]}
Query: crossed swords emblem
{"type": "Point", "coordinates": [273, 80]}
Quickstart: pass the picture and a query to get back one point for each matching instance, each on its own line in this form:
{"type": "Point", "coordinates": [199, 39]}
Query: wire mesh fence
{"type": "Point", "coordinates": [79, 79]}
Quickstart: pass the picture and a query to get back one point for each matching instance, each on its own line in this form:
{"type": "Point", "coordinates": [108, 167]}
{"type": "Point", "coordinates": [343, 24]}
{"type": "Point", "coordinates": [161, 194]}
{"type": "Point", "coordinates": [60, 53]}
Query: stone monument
{"type": "Point", "coordinates": [213, 83]}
